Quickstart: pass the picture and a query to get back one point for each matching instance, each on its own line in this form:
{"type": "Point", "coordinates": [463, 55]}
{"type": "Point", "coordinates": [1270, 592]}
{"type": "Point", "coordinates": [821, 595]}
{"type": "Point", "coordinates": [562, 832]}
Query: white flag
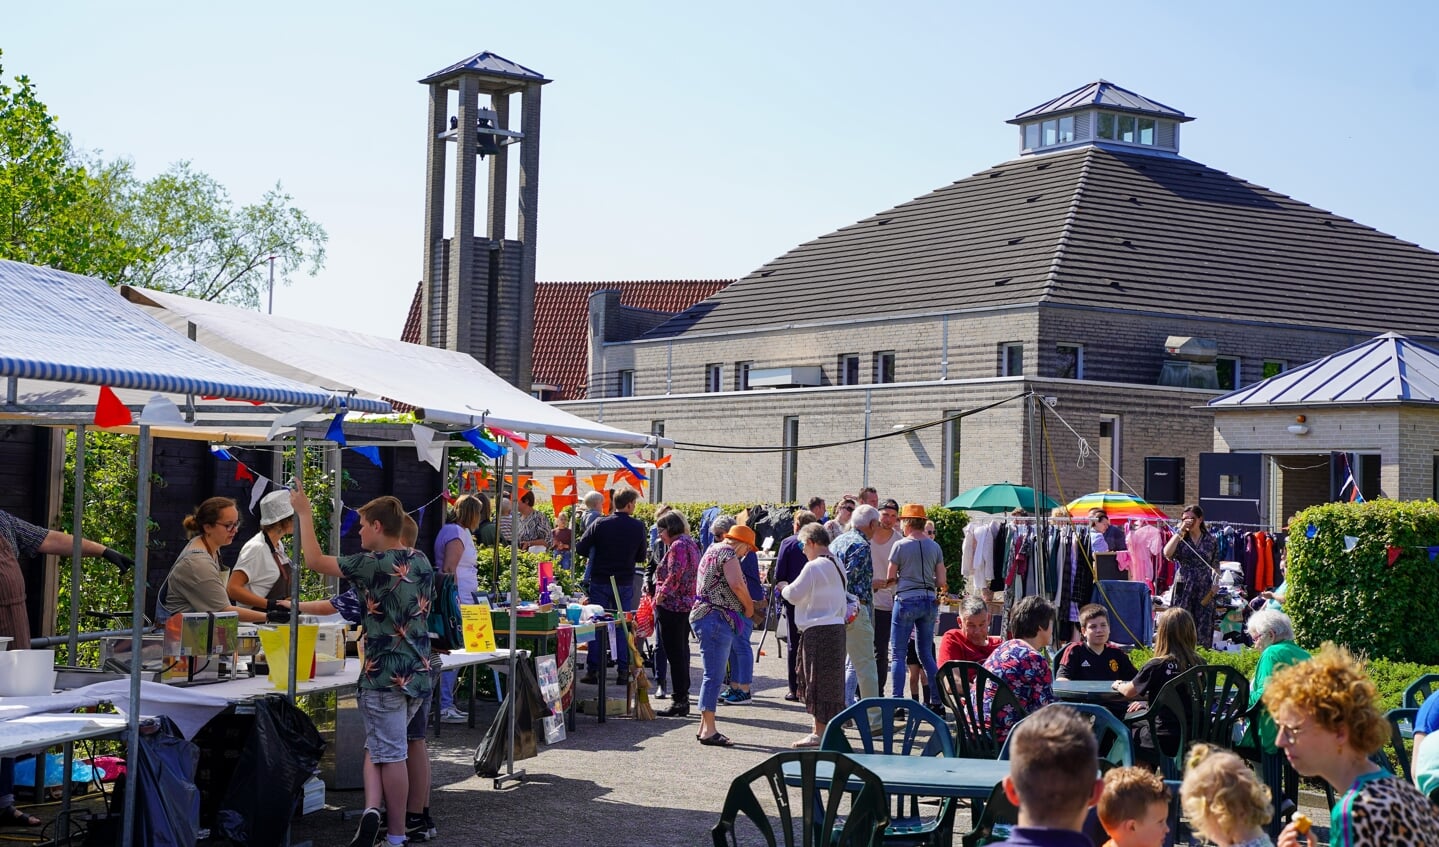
{"type": "Point", "coordinates": [429, 447]}
{"type": "Point", "coordinates": [257, 491]}
{"type": "Point", "coordinates": [1349, 542]}
{"type": "Point", "coordinates": [161, 411]}
{"type": "Point", "coordinates": [289, 420]}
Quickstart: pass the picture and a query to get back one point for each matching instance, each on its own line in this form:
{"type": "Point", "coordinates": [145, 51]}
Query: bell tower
{"type": "Point", "coordinates": [479, 290]}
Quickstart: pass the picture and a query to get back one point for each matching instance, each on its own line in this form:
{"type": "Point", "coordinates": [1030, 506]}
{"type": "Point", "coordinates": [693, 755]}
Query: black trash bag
{"type": "Point", "coordinates": [167, 805]}
{"type": "Point", "coordinates": [282, 753]}
{"type": "Point", "coordinates": [530, 714]}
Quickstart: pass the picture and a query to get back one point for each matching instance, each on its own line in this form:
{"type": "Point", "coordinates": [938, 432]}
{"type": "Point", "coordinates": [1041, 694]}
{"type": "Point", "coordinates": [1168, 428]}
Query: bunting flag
{"type": "Point", "coordinates": [109, 411]}
{"type": "Point", "coordinates": [591, 455]}
{"type": "Point", "coordinates": [524, 483]}
{"type": "Point", "coordinates": [221, 453]}
{"type": "Point", "coordinates": [420, 518]}
{"type": "Point", "coordinates": [336, 432]}
{"type": "Point", "coordinates": [257, 491]}
{"type": "Point", "coordinates": [535, 483]}
{"type": "Point", "coordinates": [371, 453]}
{"type": "Point", "coordinates": [482, 479]}
{"type": "Point", "coordinates": [243, 473]}
{"type": "Point", "coordinates": [348, 522]}
{"type": "Point", "coordinates": [290, 420]}
{"type": "Point", "coordinates": [429, 447]}
{"type": "Point", "coordinates": [1393, 554]}
{"type": "Point", "coordinates": [465, 482]}
{"type": "Point", "coordinates": [563, 484]}
{"type": "Point", "coordinates": [483, 444]}
{"type": "Point", "coordinates": [447, 496]}
{"type": "Point", "coordinates": [559, 446]}
{"type": "Point", "coordinates": [599, 482]}
{"type": "Point", "coordinates": [161, 411]}
{"type": "Point", "coordinates": [1433, 552]}
{"type": "Point", "coordinates": [1349, 542]}
{"type": "Point", "coordinates": [516, 440]}
{"type": "Point", "coordinates": [629, 467]}
{"type": "Point", "coordinates": [662, 461]}
{"type": "Point", "coordinates": [560, 502]}
{"type": "Point", "coordinates": [1311, 531]}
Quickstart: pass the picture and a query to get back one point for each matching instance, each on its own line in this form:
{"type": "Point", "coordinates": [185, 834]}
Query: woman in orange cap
{"type": "Point", "coordinates": [722, 604]}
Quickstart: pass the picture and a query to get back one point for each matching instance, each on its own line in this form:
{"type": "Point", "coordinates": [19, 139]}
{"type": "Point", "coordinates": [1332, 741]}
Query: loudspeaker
{"type": "Point", "coordinates": [1164, 479]}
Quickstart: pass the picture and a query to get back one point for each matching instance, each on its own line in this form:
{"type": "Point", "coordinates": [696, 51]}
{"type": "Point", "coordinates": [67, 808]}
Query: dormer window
{"type": "Point", "coordinates": [1049, 133]}
{"type": "Point", "coordinates": [1100, 112]}
{"type": "Point", "coordinates": [1129, 129]}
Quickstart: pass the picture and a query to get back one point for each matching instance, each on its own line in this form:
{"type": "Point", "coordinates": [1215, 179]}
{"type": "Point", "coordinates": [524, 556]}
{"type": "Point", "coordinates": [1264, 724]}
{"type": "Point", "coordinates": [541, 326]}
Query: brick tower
{"type": "Point", "coordinates": [479, 290]}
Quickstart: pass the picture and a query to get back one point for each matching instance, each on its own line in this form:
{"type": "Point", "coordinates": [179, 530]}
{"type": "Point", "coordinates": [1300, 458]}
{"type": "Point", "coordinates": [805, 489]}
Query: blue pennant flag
{"type": "Point", "coordinates": [1311, 531]}
{"type": "Point", "coordinates": [371, 453]}
{"type": "Point", "coordinates": [351, 516]}
{"type": "Point", "coordinates": [484, 445]}
{"type": "Point", "coordinates": [1433, 552]}
{"type": "Point", "coordinates": [222, 453]}
{"type": "Point", "coordinates": [336, 432]}
{"type": "Point", "coordinates": [420, 518]}
{"type": "Point", "coordinates": [629, 467]}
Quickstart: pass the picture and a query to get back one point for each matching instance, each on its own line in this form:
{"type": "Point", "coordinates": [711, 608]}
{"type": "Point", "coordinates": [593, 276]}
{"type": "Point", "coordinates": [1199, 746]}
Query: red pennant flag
{"type": "Point", "coordinates": [109, 411]}
{"type": "Point", "coordinates": [1394, 555]}
{"type": "Point", "coordinates": [556, 444]}
{"type": "Point", "coordinates": [514, 439]}
{"type": "Point", "coordinates": [448, 497]}
{"type": "Point", "coordinates": [243, 473]}
{"type": "Point", "coordinates": [466, 478]}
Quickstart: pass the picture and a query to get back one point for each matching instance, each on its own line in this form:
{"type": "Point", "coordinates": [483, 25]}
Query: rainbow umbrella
{"type": "Point", "coordinates": [1118, 505]}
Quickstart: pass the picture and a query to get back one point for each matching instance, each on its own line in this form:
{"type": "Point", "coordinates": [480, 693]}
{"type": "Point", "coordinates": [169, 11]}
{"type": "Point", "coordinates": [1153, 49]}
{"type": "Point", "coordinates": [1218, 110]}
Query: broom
{"type": "Point", "coordinates": [639, 683]}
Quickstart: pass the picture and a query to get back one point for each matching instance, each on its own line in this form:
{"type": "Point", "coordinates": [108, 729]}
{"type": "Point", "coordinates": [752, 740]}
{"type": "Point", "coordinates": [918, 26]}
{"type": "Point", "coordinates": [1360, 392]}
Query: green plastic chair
{"type": "Point", "coordinates": [1419, 690]}
{"type": "Point", "coordinates": [961, 687]}
{"type": "Point", "coordinates": [994, 823]}
{"type": "Point", "coordinates": [807, 815]}
{"type": "Point", "coordinates": [1402, 755]}
{"type": "Point", "coordinates": [1206, 702]}
{"type": "Point", "coordinates": [1116, 746]}
{"type": "Point", "coordinates": [906, 824]}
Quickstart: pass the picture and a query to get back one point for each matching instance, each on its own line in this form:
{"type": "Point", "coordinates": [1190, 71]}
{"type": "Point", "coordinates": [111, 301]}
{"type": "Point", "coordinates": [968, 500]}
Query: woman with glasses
{"type": "Point", "coordinates": [195, 583]}
{"type": "Point", "coordinates": [1329, 724]}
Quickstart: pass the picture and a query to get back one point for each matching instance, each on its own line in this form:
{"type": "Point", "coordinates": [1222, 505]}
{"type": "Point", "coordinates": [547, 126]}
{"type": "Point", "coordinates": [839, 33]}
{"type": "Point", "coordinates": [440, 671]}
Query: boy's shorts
{"type": "Point", "coordinates": [387, 715]}
{"type": "Point", "coordinates": [420, 723]}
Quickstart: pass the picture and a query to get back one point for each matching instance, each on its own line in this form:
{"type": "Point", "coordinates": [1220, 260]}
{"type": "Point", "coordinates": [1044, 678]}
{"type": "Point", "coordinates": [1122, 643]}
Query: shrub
{"type": "Point", "coordinates": [528, 573]}
{"type": "Point", "coordinates": [1355, 597]}
{"type": "Point", "coordinates": [949, 532]}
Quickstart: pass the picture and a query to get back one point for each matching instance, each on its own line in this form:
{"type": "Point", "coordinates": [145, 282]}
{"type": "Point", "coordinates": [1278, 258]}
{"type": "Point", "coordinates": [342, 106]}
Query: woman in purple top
{"type": "Point", "coordinates": [674, 599]}
{"type": "Point", "coordinates": [1021, 664]}
{"type": "Point", "coordinates": [788, 562]}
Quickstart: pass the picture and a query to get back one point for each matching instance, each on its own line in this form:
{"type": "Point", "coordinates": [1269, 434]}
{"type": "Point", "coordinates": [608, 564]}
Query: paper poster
{"type": "Point", "coordinates": [479, 628]}
{"type": "Point", "coordinates": [565, 654]}
{"type": "Point", "coordinates": [548, 672]}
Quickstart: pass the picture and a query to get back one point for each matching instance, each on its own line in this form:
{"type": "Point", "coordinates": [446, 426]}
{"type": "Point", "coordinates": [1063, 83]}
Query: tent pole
{"type": "Point", "coordinates": [299, 483]}
{"type": "Point", "coordinates": [137, 621]}
{"type": "Point", "coordinates": [514, 698]}
{"type": "Point", "coordinates": [75, 573]}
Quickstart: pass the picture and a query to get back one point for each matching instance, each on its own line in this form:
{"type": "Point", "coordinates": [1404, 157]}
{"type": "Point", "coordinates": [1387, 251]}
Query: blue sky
{"type": "Point", "coordinates": [699, 141]}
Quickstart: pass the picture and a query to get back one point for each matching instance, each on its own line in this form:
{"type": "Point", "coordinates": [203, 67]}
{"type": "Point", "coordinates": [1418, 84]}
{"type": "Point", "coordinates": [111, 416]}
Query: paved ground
{"type": "Point", "coordinates": [623, 783]}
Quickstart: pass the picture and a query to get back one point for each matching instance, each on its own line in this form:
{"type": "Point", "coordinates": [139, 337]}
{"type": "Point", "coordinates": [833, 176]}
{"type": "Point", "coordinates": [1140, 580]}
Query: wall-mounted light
{"type": "Point", "coordinates": [1299, 427]}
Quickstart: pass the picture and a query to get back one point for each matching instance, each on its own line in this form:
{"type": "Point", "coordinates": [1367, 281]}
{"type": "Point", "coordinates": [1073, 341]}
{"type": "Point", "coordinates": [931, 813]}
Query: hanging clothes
{"type": "Point", "coordinates": [1146, 547]}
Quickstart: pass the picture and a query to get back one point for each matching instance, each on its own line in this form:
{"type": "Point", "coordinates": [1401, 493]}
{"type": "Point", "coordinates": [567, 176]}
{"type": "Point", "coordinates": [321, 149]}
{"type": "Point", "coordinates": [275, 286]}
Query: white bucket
{"type": "Point", "coordinates": [27, 673]}
{"type": "Point", "coordinates": [5, 642]}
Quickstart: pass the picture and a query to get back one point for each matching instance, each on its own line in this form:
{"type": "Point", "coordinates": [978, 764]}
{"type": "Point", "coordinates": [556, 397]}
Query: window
{"type": "Point", "coordinates": [1011, 359]}
{"type": "Point", "coordinates": [789, 480]}
{"type": "Point", "coordinates": [1107, 126]}
{"type": "Point", "coordinates": [741, 376]}
{"type": "Point", "coordinates": [848, 369]}
{"type": "Point", "coordinates": [713, 375]}
{"type": "Point", "coordinates": [657, 475]}
{"type": "Point", "coordinates": [951, 456]}
{"type": "Point", "coordinates": [884, 366]}
{"type": "Point", "coordinates": [1049, 132]}
{"type": "Point", "coordinates": [1227, 369]}
{"type": "Point", "coordinates": [1127, 128]}
{"type": "Point", "coordinates": [1031, 136]}
{"type": "Point", "coordinates": [1274, 367]}
{"type": "Point", "coordinates": [627, 383]}
{"type": "Point", "coordinates": [1146, 131]}
{"type": "Point", "coordinates": [1071, 361]}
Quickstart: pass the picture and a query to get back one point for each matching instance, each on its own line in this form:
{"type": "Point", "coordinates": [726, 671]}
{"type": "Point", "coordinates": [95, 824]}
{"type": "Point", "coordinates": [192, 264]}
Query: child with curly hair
{"type": "Point", "coordinates": [1223, 799]}
{"type": "Point", "coordinates": [1134, 808]}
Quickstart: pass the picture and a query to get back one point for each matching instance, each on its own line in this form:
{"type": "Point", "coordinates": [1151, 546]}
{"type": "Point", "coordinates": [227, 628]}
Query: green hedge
{"type": "Point", "coordinates": [949, 532]}
{"type": "Point", "coordinates": [528, 573]}
{"type": "Point", "coordinates": [1355, 597]}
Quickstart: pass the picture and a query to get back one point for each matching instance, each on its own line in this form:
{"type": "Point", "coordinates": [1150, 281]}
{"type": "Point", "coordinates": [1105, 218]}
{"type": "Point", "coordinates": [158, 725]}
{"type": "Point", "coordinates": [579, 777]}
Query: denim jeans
{"type": "Point", "coordinates": [447, 689]}
{"type": "Point", "coordinates": [716, 636]}
{"type": "Point", "coordinates": [917, 614]}
{"type": "Point", "coordinates": [741, 660]}
{"type": "Point", "coordinates": [600, 594]}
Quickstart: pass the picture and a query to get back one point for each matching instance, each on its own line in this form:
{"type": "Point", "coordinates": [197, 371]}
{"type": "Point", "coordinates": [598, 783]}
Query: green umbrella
{"type": "Point", "coordinates": [999, 498]}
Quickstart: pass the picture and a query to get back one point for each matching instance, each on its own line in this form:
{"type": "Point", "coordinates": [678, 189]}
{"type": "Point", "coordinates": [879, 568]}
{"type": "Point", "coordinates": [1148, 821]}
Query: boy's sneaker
{"type": "Point", "coordinates": [368, 830]}
{"type": "Point", "coordinates": [736, 695]}
{"type": "Point", "coordinates": [453, 715]}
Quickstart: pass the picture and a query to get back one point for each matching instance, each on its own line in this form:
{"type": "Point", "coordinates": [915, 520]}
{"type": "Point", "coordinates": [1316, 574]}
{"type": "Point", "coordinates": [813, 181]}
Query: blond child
{"type": "Point", "coordinates": [1134, 808]}
{"type": "Point", "coordinates": [1223, 799]}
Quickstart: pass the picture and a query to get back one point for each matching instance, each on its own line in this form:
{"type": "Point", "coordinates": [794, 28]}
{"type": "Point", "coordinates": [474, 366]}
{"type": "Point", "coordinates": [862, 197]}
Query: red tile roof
{"type": "Point", "coordinates": [562, 319]}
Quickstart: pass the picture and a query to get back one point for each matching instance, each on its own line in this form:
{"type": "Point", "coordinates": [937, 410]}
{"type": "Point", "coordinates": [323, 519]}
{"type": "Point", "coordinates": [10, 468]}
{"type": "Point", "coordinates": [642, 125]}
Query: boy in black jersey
{"type": "Point", "coordinates": [1095, 658]}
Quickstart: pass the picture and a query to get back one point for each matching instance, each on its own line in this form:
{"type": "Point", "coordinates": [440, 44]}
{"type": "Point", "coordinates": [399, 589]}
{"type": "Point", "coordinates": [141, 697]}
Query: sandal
{"type": "Point", "coordinates": [11, 816]}
{"type": "Point", "coordinates": [810, 740]}
{"type": "Point", "coordinates": [719, 739]}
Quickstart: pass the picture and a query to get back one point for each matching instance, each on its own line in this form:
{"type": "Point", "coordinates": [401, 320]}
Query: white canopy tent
{"type": "Point", "coordinates": [62, 329]}
{"type": "Point", "coordinates": [444, 386]}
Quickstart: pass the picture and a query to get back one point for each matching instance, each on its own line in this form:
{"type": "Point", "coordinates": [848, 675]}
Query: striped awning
{"type": "Point", "coordinates": [66, 328]}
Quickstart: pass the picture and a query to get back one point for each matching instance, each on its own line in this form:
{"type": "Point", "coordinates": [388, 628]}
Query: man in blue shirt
{"type": "Point", "coordinates": [1053, 778]}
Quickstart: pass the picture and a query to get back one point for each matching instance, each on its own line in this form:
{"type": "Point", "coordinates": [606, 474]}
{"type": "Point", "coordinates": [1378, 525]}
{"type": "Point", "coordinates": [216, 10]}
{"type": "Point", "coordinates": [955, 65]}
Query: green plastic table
{"type": "Point", "coordinates": [1087, 691]}
{"type": "Point", "coordinates": [926, 776]}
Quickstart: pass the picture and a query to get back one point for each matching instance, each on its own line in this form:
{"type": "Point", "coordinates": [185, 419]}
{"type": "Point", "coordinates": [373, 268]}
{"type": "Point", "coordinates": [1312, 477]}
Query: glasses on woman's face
{"type": "Point", "coordinates": [1289, 733]}
{"type": "Point", "coordinates": [929, 532]}
{"type": "Point", "coordinates": [229, 526]}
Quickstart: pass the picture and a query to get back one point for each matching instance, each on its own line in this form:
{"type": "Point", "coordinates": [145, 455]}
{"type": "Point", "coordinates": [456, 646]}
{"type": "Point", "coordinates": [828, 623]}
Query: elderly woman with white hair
{"type": "Point", "coordinates": [1273, 633]}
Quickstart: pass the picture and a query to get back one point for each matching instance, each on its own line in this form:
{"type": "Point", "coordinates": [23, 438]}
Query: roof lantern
{"type": "Point", "coordinates": [1100, 113]}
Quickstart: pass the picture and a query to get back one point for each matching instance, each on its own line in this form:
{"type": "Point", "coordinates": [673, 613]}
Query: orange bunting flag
{"type": "Point", "coordinates": [482, 478]}
{"type": "Point", "coordinates": [599, 482]}
{"type": "Point", "coordinates": [662, 461]}
{"type": "Point", "coordinates": [109, 411]}
{"type": "Point", "coordinates": [556, 444]}
{"type": "Point", "coordinates": [465, 482]}
{"type": "Point", "coordinates": [535, 483]}
{"type": "Point", "coordinates": [560, 502]}
{"type": "Point", "coordinates": [563, 485]}
{"type": "Point", "coordinates": [519, 442]}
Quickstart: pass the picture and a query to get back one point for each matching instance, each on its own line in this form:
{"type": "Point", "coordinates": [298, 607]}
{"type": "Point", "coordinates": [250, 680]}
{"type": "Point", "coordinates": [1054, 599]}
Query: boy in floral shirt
{"type": "Point", "coordinates": [396, 585]}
